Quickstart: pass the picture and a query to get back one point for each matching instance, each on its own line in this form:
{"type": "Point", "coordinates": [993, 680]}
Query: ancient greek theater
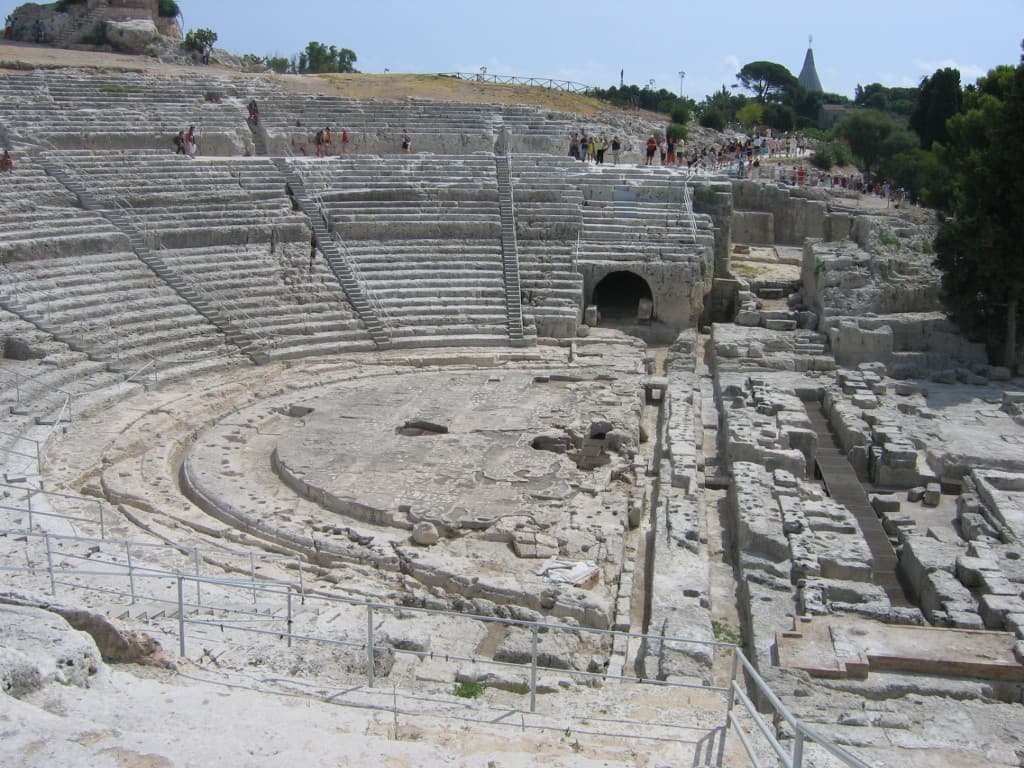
{"type": "Point", "coordinates": [478, 455]}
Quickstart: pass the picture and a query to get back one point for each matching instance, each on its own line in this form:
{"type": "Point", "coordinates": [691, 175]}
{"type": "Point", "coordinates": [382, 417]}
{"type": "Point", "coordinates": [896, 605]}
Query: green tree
{"type": "Point", "coordinates": [981, 246]}
{"type": "Point", "coordinates": [779, 116]}
{"type": "Point", "coordinates": [896, 101]}
{"type": "Point", "coordinates": [723, 104]}
{"type": "Point", "coordinates": [874, 136]}
{"type": "Point", "coordinates": [318, 58]}
{"type": "Point", "coordinates": [278, 64]}
{"type": "Point", "coordinates": [751, 114]}
{"type": "Point", "coordinates": [713, 119]}
{"type": "Point", "coordinates": [922, 172]}
{"type": "Point", "coordinates": [767, 80]}
{"type": "Point", "coordinates": [939, 98]}
{"type": "Point", "coordinates": [200, 39]}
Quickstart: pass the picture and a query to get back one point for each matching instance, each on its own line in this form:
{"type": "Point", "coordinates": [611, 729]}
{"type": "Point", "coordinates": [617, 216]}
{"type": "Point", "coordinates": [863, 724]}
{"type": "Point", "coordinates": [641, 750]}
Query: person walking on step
{"type": "Point", "coordinates": [254, 112]}
{"type": "Point", "coordinates": [7, 162]}
{"type": "Point", "coordinates": [406, 142]}
{"type": "Point", "coordinates": [602, 147]}
{"type": "Point", "coordinates": [320, 143]}
{"type": "Point", "coordinates": [190, 141]}
{"type": "Point", "coordinates": [179, 143]}
{"type": "Point", "coordinates": [616, 149]}
{"type": "Point", "coordinates": [327, 141]}
{"type": "Point", "coordinates": [344, 141]}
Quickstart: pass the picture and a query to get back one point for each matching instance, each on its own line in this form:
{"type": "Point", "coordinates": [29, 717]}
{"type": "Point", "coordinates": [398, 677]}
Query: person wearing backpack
{"type": "Point", "coordinates": [179, 143]}
{"type": "Point", "coordinates": [616, 149]}
{"type": "Point", "coordinates": [320, 143]}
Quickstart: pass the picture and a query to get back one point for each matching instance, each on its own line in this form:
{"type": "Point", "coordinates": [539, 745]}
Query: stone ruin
{"type": "Point", "coordinates": [371, 373]}
{"type": "Point", "coordinates": [129, 26]}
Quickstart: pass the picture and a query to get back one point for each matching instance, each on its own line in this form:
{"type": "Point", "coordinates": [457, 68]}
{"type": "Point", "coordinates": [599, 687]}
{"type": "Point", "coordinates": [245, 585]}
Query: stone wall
{"type": "Point", "coordinates": [796, 214]}
{"type": "Point", "coordinates": [677, 289]}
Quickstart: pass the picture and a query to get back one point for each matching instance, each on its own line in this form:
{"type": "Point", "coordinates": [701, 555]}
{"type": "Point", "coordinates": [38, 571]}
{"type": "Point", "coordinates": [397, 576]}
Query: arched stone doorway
{"type": "Point", "coordinates": [618, 295]}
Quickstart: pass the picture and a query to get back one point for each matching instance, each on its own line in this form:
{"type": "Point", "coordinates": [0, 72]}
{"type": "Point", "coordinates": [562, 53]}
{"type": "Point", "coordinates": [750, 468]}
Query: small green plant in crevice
{"type": "Point", "coordinates": [819, 267]}
{"type": "Point", "coordinates": [724, 633]}
{"type": "Point", "coordinates": [113, 90]}
{"type": "Point", "coordinates": [98, 35]}
{"type": "Point", "coordinates": [886, 237]}
{"type": "Point", "coordinates": [469, 689]}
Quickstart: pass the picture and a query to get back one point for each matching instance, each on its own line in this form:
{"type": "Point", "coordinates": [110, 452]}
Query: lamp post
{"type": "Point", "coordinates": [682, 75]}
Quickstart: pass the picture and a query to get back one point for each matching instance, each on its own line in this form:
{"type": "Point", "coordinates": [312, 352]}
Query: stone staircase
{"type": "Point", "coordinates": [425, 234]}
{"type": "Point", "coordinates": [335, 259]}
{"type": "Point", "coordinates": [259, 137]}
{"type": "Point", "coordinates": [510, 251]}
{"type": "Point", "coordinates": [74, 33]}
{"type": "Point", "coordinates": [548, 208]}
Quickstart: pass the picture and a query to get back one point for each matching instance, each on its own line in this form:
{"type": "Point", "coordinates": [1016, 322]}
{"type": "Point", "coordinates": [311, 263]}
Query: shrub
{"type": "Point", "coordinates": [751, 114]}
{"type": "Point", "coordinates": [168, 9]}
{"type": "Point", "coordinates": [119, 89]}
{"type": "Point", "coordinates": [677, 131]}
{"type": "Point", "coordinates": [680, 113]}
{"type": "Point", "coordinates": [198, 39]}
{"type": "Point", "coordinates": [724, 633]}
{"type": "Point", "coordinates": [98, 35]}
{"type": "Point", "coordinates": [63, 5]}
{"type": "Point", "coordinates": [832, 154]}
{"type": "Point", "coordinates": [469, 690]}
{"type": "Point", "coordinates": [713, 119]}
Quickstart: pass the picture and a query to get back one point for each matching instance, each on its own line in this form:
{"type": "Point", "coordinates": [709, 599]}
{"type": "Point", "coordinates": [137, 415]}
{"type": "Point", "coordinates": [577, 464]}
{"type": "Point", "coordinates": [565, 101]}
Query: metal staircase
{"type": "Point", "coordinates": [510, 250]}
{"type": "Point", "coordinates": [335, 258]}
{"type": "Point", "coordinates": [234, 335]}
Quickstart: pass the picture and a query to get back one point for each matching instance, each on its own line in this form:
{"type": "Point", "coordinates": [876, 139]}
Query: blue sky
{"type": "Point", "coordinates": [895, 42]}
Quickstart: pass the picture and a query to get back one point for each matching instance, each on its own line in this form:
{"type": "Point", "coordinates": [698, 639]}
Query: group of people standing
{"type": "Point", "coordinates": [593, 148]}
{"type": "Point", "coordinates": [670, 150]}
{"type": "Point", "coordinates": [324, 140]}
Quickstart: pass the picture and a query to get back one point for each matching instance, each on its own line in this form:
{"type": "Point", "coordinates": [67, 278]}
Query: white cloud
{"type": "Point", "coordinates": [732, 61]}
{"type": "Point", "coordinates": [968, 72]}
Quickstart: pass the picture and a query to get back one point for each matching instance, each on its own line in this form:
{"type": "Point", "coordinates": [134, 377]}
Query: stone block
{"type": "Point", "coordinates": [864, 400]}
{"type": "Point", "coordinates": [885, 503]}
{"type": "Point", "coordinates": [780, 325]}
{"type": "Point", "coordinates": [995, 609]}
{"type": "Point", "coordinates": [932, 495]}
{"type": "Point", "coordinates": [748, 317]}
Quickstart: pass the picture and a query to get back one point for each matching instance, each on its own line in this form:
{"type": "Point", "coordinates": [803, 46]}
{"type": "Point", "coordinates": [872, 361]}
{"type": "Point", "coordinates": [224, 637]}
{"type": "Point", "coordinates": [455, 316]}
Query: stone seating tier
{"type": "Point", "coordinates": [30, 188]}
{"type": "Point", "coordinates": [291, 307]}
{"type": "Point", "coordinates": [124, 314]}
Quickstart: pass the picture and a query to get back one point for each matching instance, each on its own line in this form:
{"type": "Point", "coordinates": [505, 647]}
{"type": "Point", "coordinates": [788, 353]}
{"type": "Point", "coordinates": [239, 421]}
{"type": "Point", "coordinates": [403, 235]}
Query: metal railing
{"type": "Point", "coordinates": [688, 207]}
{"type": "Point", "coordinates": [13, 493]}
{"type": "Point", "coordinates": [273, 615]}
{"type": "Point", "coordinates": [541, 82]}
{"type": "Point", "coordinates": [102, 564]}
{"type": "Point", "coordinates": [357, 275]}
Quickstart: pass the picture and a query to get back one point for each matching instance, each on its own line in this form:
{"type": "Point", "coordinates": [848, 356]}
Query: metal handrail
{"type": "Point", "coordinates": [357, 275]}
{"type": "Point", "coordinates": [688, 207]}
{"type": "Point", "coordinates": [273, 589]}
{"type": "Point", "coordinates": [803, 731]}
